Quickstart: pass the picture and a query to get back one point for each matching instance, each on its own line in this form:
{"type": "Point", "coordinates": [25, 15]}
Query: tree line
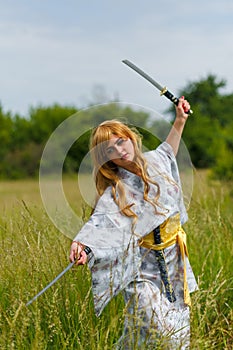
{"type": "Point", "coordinates": [208, 134]}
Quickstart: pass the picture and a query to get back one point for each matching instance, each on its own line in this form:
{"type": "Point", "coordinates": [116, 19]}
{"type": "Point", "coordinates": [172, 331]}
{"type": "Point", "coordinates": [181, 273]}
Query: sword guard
{"type": "Point", "coordinates": [170, 96]}
{"type": "Point", "coordinates": [162, 92]}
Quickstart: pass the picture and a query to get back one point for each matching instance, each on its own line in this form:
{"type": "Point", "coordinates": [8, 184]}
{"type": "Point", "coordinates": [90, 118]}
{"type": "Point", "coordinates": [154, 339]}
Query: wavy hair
{"type": "Point", "coordinates": [106, 172]}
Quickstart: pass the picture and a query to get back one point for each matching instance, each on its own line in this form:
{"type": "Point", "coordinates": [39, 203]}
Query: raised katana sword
{"type": "Point", "coordinates": [163, 90]}
{"type": "Point", "coordinates": [51, 283]}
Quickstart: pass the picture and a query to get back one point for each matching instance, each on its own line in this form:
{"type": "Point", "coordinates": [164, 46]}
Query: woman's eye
{"type": "Point", "coordinates": [120, 141]}
{"type": "Point", "coordinates": [109, 151]}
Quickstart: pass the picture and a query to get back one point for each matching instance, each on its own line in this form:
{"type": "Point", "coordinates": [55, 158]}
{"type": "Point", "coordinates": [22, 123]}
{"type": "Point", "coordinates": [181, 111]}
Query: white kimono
{"type": "Point", "coordinates": [119, 264]}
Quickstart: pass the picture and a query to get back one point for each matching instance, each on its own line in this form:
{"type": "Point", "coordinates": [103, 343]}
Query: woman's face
{"type": "Point", "coordinates": [120, 151]}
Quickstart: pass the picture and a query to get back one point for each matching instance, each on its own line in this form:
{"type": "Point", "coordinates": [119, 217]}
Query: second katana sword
{"type": "Point", "coordinates": [51, 283]}
{"type": "Point", "coordinates": [163, 90]}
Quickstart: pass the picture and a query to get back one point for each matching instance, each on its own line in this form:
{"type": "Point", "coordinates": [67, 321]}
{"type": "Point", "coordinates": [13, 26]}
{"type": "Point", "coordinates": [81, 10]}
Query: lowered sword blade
{"type": "Point", "coordinates": [163, 90]}
{"type": "Point", "coordinates": [51, 283]}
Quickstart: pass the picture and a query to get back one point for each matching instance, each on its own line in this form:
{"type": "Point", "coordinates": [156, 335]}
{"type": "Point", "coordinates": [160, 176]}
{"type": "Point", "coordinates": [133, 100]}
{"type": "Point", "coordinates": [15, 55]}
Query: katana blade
{"type": "Point", "coordinates": [163, 90]}
{"type": "Point", "coordinates": [51, 283]}
{"type": "Point", "coordinates": [143, 74]}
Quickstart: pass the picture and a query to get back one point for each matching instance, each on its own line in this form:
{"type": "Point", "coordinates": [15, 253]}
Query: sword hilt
{"type": "Point", "coordinates": [172, 98]}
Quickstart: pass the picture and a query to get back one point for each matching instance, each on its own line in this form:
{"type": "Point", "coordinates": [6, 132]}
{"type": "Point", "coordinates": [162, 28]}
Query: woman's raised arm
{"type": "Point", "coordinates": [175, 134]}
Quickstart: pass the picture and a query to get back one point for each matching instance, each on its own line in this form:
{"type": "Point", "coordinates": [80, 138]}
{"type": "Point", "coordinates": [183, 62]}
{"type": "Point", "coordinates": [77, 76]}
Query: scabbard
{"type": "Point", "coordinates": [163, 267]}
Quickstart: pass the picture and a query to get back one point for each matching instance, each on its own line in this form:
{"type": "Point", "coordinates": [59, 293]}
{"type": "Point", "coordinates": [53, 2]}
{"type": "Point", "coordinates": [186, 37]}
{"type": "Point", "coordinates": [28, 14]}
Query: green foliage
{"type": "Point", "coordinates": [77, 152]}
{"type": "Point", "coordinates": [23, 161]}
{"type": "Point", "coordinates": [44, 120]}
{"type": "Point", "coordinates": [23, 140]}
{"type": "Point", "coordinates": [6, 127]}
{"type": "Point", "coordinates": [208, 134]}
{"type": "Point", "coordinates": [224, 164]}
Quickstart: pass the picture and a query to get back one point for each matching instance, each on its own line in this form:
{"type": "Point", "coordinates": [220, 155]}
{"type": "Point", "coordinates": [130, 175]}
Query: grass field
{"type": "Point", "coordinates": [33, 252]}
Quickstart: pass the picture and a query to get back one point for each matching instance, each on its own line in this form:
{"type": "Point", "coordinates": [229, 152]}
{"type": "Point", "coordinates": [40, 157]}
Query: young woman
{"type": "Point", "coordinates": [133, 241]}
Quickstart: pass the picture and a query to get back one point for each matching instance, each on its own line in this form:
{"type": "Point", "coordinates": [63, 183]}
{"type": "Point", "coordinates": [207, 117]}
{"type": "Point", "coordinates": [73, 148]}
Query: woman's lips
{"type": "Point", "coordinates": [125, 156]}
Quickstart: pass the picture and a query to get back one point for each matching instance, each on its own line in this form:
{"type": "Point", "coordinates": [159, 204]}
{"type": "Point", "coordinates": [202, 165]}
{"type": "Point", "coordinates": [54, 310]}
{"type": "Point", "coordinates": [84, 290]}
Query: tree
{"type": "Point", "coordinates": [208, 134]}
{"type": "Point", "coordinates": [44, 120]}
{"type": "Point", "coordinates": [6, 127]}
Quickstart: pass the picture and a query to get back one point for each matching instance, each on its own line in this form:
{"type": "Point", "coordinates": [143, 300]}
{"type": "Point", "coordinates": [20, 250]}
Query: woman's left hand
{"type": "Point", "coordinates": [182, 109]}
{"type": "Point", "coordinates": [77, 253]}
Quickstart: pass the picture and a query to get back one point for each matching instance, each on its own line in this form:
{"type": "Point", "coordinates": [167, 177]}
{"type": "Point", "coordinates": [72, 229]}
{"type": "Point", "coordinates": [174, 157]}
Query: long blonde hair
{"type": "Point", "coordinates": [106, 172]}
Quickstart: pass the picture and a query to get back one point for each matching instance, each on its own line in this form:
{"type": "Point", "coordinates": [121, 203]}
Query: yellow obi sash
{"type": "Point", "coordinates": [171, 232]}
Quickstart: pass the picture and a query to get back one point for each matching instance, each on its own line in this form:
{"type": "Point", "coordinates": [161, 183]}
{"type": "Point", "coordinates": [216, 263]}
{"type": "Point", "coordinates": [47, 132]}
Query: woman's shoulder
{"type": "Point", "coordinates": [105, 200]}
{"type": "Point", "coordinates": [161, 157]}
{"type": "Point", "coordinates": [164, 149]}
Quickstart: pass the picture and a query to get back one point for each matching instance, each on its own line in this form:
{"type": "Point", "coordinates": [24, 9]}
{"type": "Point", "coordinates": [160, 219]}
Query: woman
{"type": "Point", "coordinates": [133, 241]}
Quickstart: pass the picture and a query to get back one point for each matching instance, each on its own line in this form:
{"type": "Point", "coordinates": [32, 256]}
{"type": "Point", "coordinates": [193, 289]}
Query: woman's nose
{"type": "Point", "coordinates": [119, 150]}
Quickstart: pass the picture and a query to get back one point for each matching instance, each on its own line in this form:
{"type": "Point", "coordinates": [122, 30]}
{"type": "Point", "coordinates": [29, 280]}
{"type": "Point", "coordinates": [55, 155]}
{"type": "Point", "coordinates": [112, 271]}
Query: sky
{"type": "Point", "coordinates": [70, 52]}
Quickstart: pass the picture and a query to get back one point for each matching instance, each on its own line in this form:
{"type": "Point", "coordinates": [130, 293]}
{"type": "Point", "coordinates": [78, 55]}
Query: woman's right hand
{"type": "Point", "coordinates": [77, 253]}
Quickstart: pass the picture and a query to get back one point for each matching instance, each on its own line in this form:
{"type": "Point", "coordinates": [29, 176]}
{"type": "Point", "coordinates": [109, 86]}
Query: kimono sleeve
{"type": "Point", "coordinates": [168, 158]}
{"type": "Point", "coordinates": [107, 228]}
{"type": "Point", "coordinates": [164, 156]}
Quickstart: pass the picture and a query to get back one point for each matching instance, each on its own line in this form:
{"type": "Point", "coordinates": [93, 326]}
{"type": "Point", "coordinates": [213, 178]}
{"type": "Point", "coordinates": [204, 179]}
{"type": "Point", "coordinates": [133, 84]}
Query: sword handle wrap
{"type": "Point", "coordinates": [87, 250]}
{"type": "Point", "coordinates": [172, 98]}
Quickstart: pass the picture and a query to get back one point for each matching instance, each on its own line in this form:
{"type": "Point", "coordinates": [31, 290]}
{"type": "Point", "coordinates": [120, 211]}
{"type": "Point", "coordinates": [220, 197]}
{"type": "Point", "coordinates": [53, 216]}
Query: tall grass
{"type": "Point", "coordinates": [33, 252]}
{"type": "Point", "coordinates": [211, 250]}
